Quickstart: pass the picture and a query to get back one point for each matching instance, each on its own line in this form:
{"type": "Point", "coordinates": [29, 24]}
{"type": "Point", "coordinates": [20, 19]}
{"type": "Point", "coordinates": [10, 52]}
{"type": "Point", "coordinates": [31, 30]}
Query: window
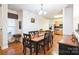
{"type": "Point", "coordinates": [11, 26]}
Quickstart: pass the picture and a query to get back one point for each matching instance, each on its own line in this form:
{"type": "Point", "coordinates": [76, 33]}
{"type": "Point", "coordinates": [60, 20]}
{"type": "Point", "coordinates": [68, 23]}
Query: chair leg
{"type": "Point", "coordinates": [24, 50]}
{"type": "Point", "coordinates": [30, 51]}
{"type": "Point", "coordinates": [48, 47]}
{"type": "Point", "coordinates": [51, 44]}
{"type": "Point", "coordinates": [44, 51]}
{"type": "Point", "coordinates": [34, 50]}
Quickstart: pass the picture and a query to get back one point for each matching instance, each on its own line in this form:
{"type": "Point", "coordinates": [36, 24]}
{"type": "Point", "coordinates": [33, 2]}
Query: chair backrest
{"type": "Point", "coordinates": [26, 39]}
{"type": "Point", "coordinates": [32, 33]}
{"type": "Point", "coordinates": [36, 33]}
{"type": "Point", "coordinates": [45, 35]}
{"type": "Point", "coordinates": [27, 36]}
{"type": "Point", "coordinates": [50, 35]}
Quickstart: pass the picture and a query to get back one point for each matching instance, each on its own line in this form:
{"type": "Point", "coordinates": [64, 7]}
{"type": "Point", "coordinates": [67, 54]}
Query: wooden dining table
{"type": "Point", "coordinates": [36, 41]}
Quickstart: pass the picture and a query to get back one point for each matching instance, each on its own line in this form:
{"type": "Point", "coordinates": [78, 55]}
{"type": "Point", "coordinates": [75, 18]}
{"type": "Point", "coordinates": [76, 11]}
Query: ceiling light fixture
{"type": "Point", "coordinates": [58, 16]}
{"type": "Point", "coordinates": [42, 11]}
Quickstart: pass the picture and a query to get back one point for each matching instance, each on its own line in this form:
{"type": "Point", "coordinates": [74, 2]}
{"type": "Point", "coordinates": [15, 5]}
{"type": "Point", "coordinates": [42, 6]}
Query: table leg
{"type": "Point", "coordinates": [36, 48]}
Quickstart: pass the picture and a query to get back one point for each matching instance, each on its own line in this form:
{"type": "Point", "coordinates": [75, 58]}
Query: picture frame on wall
{"type": "Point", "coordinates": [32, 20]}
{"type": "Point", "coordinates": [20, 23]}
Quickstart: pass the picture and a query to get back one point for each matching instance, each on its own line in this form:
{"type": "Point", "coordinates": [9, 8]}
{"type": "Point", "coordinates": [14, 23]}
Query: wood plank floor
{"type": "Point", "coordinates": [16, 48]}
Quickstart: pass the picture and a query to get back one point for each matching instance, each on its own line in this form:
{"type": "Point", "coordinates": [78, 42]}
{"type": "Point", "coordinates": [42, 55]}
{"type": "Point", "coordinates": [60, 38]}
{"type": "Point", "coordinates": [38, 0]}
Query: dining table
{"type": "Point", "coordinates": [36, 40]}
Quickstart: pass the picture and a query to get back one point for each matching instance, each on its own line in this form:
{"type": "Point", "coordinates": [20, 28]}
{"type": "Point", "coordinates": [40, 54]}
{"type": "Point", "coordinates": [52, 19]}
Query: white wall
{"type": "Point", "coordinates": [0, 27]}
{"type": "Point", "coordinates": [0, 18]}
{"type": "Point", "coordinates": [76, 10]}
{"type": "Point", "coordinates": [40, 22]}
{"type": "Point", "coordinates": [3, 20]}
{"type": "Point", "coordinates": [75, 23]}
{"type": "Point", "coordinates": [26, 24]}
{"type": "Point", "coordinates": [68, 20]}
{"type": "Point", "coordinates": [20, 18]}
{"type": "Point", "coordinates": [76, 17]}
{"type": "Point", "coordinates": [43, 23]}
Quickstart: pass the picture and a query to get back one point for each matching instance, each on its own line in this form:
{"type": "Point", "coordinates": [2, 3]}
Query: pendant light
{"type": "Point", "coordinates": [42, 11]}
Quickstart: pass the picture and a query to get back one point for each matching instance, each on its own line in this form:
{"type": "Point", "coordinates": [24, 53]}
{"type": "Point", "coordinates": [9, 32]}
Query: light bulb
{"type": "Point", "coordinates": [45, 12]}
{"type": "Point", "coordinates": [40, 13]}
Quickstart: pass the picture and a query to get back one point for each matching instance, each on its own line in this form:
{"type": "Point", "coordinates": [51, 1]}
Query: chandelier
{"type": "Point", "coordinates": [42, 11]}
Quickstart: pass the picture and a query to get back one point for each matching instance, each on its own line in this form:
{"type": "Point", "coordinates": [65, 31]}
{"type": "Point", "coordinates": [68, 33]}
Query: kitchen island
{"type": "Point", "coordinates": [68, 47]}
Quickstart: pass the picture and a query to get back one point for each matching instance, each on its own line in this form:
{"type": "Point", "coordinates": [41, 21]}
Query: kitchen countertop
{"type": "Point", "coordinates": [68, 40]}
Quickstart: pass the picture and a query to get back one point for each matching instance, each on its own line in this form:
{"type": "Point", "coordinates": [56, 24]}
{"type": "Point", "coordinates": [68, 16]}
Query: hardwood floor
{"type": "Point", "coordinates": [56, 40]}
{"type": "Point", "coordinates": [16, 48]}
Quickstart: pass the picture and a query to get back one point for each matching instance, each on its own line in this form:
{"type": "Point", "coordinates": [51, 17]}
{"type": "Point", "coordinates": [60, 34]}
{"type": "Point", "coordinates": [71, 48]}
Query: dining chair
{"type": "Point", "coordinates": [44, 43]}
{"type": "Point", "coordinates": [27, 43]}
{"type": "Point", "coordinates": [47, 42]}
{"type": "Point", "coordinates": [50, 39]}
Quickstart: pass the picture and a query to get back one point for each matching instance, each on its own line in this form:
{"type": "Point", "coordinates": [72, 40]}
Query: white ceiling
{"type": "Point", "coordinates": [51, 9]}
